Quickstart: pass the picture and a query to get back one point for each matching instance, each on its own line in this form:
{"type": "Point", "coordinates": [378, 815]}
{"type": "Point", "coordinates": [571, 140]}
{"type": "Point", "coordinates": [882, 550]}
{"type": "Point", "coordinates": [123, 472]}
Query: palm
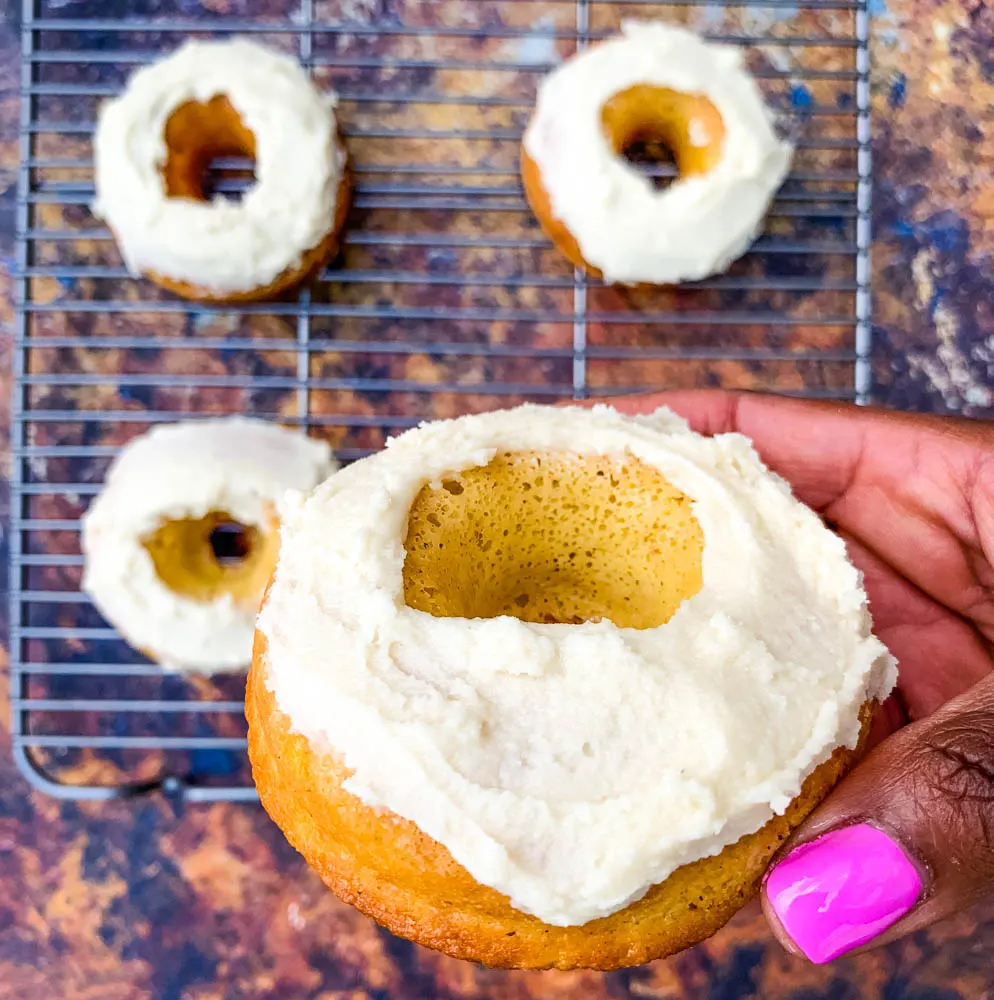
{"type": "Point", "coordinates": [914, 499]}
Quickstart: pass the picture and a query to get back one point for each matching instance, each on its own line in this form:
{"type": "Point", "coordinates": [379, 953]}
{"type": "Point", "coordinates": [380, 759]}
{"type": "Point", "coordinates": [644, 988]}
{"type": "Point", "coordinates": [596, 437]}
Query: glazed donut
{"type": "Point", "coordinates": [548, 687]}
{"type": "Point", "coordinates": [653, 83]}
{"type": "Point", "coordinates": [183, 538]}
{"type": "Point", "coordinates": [154, 143]}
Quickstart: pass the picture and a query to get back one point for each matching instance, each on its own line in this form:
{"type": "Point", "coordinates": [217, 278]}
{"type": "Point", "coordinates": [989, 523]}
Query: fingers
{"type": "Point", "coordinates": [708, 411]}
{"type": "Point", "coordinates": [940, 653]}
{"type": "Point", "coordinates": [906, 839]}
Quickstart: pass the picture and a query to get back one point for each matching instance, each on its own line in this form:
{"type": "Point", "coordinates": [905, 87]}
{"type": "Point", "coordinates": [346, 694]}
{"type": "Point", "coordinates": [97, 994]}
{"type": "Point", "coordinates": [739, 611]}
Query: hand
{"type": "Point", "coordinates": [908, 837]}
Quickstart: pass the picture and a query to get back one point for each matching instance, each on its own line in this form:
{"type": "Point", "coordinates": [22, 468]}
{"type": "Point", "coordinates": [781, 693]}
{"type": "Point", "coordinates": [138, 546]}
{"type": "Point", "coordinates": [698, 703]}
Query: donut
{"type": "Point", "coordinates": [154, 143]}
{"type": "Point", "coordinates": [548, 687]}
{"type": "Point", "coordinates": [652, 84]}
{"type": "Point", "coordinates": [180, 544]}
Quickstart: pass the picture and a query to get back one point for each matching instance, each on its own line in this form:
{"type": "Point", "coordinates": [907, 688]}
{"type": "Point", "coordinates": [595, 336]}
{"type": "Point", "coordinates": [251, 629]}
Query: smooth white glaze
{"type": "Point", "coordinates": [187, 470]}
{"type": "Point", "coordinates": [624, 227]}
{"type": "Point", "coordinates": [221, 245]}
{"type": "Point", "coordinates": [573, 766]}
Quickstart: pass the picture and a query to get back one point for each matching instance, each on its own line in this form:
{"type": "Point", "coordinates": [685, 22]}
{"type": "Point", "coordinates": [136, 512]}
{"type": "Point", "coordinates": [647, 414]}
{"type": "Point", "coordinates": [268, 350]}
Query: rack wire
{"type": "Point", "coordinates": [447, 300]}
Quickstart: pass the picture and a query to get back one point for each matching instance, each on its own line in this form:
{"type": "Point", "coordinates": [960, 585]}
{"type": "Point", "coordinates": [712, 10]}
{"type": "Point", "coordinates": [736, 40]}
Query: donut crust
{"type": "Point", "coordinates": [541, 206]}
{"type": "Point", "coordinates": [390, 870]}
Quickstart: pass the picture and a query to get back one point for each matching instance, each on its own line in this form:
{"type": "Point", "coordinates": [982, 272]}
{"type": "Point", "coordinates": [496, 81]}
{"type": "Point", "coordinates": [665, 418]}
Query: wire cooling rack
{"type": "Point", "coordinates": [447, 299]}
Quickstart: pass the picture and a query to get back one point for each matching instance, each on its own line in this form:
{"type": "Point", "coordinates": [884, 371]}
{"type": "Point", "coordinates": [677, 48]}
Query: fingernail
{"type": "Point", "coordinates": [842, 890]}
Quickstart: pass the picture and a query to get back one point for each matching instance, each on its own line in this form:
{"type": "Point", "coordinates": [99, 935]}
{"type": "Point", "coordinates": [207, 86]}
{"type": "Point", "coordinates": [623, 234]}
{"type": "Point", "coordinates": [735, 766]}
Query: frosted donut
{"type": "Point", "coordinates": [548, 687]}
{"type": "Point", "coordinates": [183, 538]}
{"type": "Point", "coordinates": [653, 83]}
{"type": "Point", "coordinates": [214, 99]}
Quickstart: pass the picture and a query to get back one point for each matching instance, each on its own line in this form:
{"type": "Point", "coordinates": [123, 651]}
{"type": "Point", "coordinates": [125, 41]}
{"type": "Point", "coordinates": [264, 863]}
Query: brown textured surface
{"type": "Point", "coordinates": [136, 901]}
{"type": "Point", "coordinates": [389, 869]}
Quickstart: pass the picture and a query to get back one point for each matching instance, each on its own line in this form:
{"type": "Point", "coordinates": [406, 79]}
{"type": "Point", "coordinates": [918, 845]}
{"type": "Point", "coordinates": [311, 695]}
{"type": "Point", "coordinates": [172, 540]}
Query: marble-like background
{"type": "Point", "coordinates": [133, 900]}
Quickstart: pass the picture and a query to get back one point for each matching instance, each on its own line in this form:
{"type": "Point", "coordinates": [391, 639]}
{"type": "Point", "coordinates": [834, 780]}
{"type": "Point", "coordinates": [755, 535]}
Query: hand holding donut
{"type": "Point", "coordinates": [907, 838]}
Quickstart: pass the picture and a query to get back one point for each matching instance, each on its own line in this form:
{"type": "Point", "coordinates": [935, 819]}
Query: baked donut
{"type": "Point", "coordinates": [183, 538]}
{"type": "Point", "coordinates": [652, 84]}
{"type": "Point", "coordinates": [548, 687]}
{"type": "Point", "coordinates": [154, 143]}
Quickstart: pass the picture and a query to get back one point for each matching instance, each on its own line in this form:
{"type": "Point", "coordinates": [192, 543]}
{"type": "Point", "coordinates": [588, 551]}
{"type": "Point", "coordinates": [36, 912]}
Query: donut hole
{"type": "Point", "coordinates": [553, 538]}
{"type": "Point", "coordinates": [209, 152]}
{"type": "Point", "coordinates": [228, 178]}
{"type": "Point", "coordinates": [653, 158]}
{"type": "Point", "coordinates": [664, 133]}
{"type": "Point", "coordinates": [232, 542]}
{"type": "Point", "coordinates": [207, 557]}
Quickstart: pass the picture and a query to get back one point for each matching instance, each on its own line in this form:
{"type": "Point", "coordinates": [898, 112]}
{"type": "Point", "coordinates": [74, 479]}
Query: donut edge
{"type": "Point", "coordinates": [409, 883]}
{"type": "Point", "coordinates": [310, 264]}
{"type": "Point", "coordinates": [540, 203]}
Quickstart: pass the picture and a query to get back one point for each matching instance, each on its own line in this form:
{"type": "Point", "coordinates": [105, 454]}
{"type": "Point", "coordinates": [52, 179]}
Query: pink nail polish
{"type": "Point", "coordinates": [842, 890]}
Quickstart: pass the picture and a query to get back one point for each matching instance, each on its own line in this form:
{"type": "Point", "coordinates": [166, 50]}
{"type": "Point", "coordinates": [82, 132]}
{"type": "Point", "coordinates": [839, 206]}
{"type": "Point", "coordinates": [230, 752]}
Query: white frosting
{"type": "Point", "coordinates": [624, 227]}
{"type": "Point", "coordinates": [573, 766]}
{"type": "Point", "coordinates": [186, 470]}
{"type": "Point", "coordinates": [222, 245]}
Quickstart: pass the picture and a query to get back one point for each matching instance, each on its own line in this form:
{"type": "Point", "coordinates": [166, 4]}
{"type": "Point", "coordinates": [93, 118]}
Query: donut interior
{"type": "Point", "coordinates": [204, 558]}
{"type": "Point", "coordinates": [197, 133]}
{"type": "Point", "coordinates": [689, 126]}
{"type": "Point", "coordinates": [553, 538]}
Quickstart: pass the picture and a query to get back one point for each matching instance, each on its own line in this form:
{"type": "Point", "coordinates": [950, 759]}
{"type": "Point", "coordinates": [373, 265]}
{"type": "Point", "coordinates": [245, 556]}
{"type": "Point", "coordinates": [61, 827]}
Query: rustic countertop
{"type": "Point", "coordinates": [132, 899]}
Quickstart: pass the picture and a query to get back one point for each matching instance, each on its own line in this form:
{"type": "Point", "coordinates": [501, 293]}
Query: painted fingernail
{"type": "Point", "coordinates": [842, 890]}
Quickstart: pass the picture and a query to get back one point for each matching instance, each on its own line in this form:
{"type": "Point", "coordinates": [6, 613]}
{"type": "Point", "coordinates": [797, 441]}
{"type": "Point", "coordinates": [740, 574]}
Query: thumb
{"type": "Point", "coordinates": [906, 839]}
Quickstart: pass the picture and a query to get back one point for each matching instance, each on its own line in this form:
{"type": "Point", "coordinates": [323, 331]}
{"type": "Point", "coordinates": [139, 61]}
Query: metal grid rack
{"type": "Point", "coordinates": [447, 299]}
